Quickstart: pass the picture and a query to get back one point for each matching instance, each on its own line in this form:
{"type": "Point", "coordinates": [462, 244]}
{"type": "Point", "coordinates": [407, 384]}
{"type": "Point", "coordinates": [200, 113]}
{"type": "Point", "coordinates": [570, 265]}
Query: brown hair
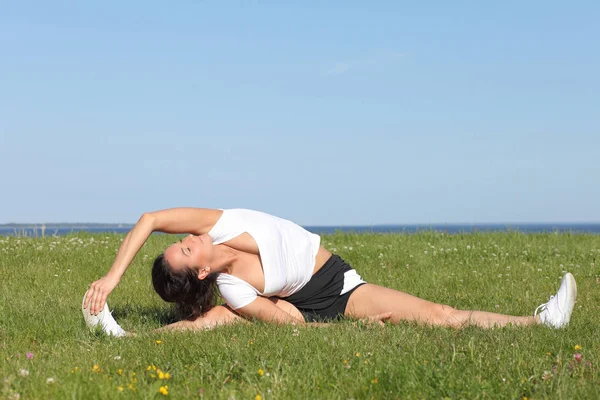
{"type": "Point", "coordinates": [192, 296]}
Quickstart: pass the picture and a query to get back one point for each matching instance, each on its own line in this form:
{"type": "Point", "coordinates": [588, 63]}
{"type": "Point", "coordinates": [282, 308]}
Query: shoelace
{"type": "Point", "coordinates": [542, 306]}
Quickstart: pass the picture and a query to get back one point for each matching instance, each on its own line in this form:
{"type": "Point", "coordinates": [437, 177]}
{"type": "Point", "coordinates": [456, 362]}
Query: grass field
{"type": "Point", "coordinates": [48, 353]}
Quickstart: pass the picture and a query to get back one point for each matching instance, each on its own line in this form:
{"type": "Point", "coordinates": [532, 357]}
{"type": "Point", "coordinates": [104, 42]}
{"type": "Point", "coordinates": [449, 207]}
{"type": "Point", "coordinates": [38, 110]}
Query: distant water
{"type": "Point", "coordinates": [31, 230]}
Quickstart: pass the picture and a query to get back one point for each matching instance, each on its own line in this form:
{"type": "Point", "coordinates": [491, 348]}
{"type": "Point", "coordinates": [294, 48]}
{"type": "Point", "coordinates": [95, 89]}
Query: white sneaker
{"type": "Point", "coordinates": [104, 319]}
{"type": "Point", "coordinates": [556, 313]}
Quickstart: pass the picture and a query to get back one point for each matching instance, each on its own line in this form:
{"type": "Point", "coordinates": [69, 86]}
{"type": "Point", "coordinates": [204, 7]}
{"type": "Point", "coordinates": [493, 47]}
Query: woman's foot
{"type": "Point", "coordinates": [104, 319]}
{"type": "Point", "coordinates": [556, 313]}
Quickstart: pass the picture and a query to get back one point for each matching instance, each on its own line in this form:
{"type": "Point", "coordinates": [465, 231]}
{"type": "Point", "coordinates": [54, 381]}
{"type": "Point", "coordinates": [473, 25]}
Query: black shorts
{"type": "Point", "coordinates": [321, 299]}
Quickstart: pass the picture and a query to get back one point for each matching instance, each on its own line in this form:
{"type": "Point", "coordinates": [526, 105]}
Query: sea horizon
{"type": "Point", "coordinates": [59, 229]}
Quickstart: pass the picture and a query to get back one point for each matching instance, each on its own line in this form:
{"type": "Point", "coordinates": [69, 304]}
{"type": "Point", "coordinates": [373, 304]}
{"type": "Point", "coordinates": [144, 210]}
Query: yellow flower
{"type": "Point", "coordinates": [161, 375]}
{"type": "Point", "coordinates": [96, 368]}
{"type": "Point", "coordinates": [258, 397]}
{"type": "Point", "coordinates": [120, 371]}
{"type": "Point", "coordinates": [374, 380]}
{"type": "Point", "coordinates": [261, 372]}
{"type": "Point", "coordinates": [578, 347]}
{"type": "Point", "coordinates": [345, 362]}
{"type": "Point", "coordinates": [357, 354]}
{"type": "Point", "coordinates": [149, 368]}
{"type": "Point", "coordinates": [158, 341]}
{"type": "Point", "coordinates": [154, 367]}
{"type": "Point", "coordinates": [164, 390]}
{"type": "Point", "coordinates": [167, 376]}
{"type": "Point", "coordinates": [120, 388]}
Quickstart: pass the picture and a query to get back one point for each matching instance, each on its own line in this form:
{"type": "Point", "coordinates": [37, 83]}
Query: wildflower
{"type": "Point", "coordinates": [374, 381]}
{"type": "Point", "coordinates": [258, 397]}
{"type": "Point", "coordinates": [577, 357]}
{"type": "Point", "coordinates": [29, 355]}
{"type": "Point", "coordinates": [345, 362]}
{"type": "Point", "coordinates": [120, 388]}
{"type": "Point", "coordinates": [547, 375]}
{"type": "Point", "coordinates": [24, 373]}
{"type": "Point", "coordinates": [120, 371]}
{"type": "Point", "coordinates": [96, 368]}
{"type": "Point", "coordinates": [357, 354]}
{"type": "Point", "coordinates": [161, 375]}
{"type": "Point", "coordinates": [117, 358]}
{"type": "Point", "coordinates": [50, 381]}
{"type": "Point", "coordinates": [167, 376]}
{"type": "Point", "coordinates": [261, 372]}
{"type": "Point", "coordinates": [164, 390]}
{"type": "Point", "coordinates": [158, 341]}
{"type": "Point", "coordinates": [578, 347]}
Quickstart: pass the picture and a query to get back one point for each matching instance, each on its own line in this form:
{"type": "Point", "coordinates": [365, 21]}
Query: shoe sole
{"type": "Point", "coordinates": [87, 316]}
{"type": "Point", "coordinates": [572, 290]}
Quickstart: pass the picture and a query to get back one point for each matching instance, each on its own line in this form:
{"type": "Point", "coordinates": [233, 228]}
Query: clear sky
{"type": "Point", "coordinates": [326, 113]}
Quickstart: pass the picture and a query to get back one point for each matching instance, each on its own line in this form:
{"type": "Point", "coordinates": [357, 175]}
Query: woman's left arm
{"type": "Point", "coordinates": [265, 310]}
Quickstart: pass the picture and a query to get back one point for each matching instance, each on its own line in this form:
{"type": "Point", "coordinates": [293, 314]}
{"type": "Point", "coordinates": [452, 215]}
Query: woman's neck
{"type": "Point", "coordinates": [223, 258]}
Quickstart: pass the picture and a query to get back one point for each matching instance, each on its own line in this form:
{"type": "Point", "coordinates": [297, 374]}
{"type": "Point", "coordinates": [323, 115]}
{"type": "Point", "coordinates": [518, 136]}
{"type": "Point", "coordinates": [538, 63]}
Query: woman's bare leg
{"type": "Point", "coordinates": [224, 315]}
{"type": "Point", "coordinates": [372, 299]}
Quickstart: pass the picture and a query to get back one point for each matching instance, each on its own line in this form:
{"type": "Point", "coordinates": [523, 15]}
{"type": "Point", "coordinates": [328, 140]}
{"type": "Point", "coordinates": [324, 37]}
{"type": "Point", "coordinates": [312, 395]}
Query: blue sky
{"type": "Point", "coordinates": [326, 113]}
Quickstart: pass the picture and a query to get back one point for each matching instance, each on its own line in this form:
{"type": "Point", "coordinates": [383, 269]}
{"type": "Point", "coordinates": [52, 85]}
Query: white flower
{"type": "Point", "coordinates": [117, 358]}
{"type": "Point", "coordinates": [50, 380]}
{"type": "Point", "coordinates": [24, 373]}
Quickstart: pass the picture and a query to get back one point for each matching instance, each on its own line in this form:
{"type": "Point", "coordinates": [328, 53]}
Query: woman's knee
{"type": "Point", "coordinates": [287, 307]}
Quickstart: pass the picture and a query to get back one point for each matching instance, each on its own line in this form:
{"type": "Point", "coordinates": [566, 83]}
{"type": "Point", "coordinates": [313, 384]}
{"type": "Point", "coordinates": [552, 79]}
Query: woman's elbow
{"type": "Point", "coordinates": [147, 218]}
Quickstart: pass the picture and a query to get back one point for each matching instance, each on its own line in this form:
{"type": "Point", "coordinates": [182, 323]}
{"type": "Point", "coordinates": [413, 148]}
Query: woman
{"type": "Point", "coordinates": [274, 270]}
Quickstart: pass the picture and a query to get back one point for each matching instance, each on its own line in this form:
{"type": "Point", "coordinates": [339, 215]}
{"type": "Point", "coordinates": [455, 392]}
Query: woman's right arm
{"type": "Point", "coordinates": [175, 220]}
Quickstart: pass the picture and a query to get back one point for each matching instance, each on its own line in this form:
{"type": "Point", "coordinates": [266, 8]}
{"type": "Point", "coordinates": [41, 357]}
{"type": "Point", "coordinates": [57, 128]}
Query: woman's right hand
{"type": "Point", "coordinates": [98, 292]}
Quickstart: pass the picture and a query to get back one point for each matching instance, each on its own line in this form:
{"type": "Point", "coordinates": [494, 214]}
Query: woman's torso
{"type": "Point", "coordinates": [276, 257]}
{"type": "Point", "coordinates": [248, 265]}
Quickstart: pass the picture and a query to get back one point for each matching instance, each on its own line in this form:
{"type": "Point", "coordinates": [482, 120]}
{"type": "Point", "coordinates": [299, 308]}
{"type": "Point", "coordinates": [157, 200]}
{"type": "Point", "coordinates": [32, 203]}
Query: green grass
{"type": "Point", "coordinates": [42, 281]}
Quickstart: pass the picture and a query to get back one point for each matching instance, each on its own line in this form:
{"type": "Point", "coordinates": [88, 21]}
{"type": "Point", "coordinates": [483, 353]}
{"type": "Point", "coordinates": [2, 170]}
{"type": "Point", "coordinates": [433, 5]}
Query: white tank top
{"type": "Point", "coordinates": [288, 253]}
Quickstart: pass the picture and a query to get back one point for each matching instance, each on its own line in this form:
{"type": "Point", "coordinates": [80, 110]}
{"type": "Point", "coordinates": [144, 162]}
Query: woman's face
{"type": "Point", "coordinates": [192, 251]}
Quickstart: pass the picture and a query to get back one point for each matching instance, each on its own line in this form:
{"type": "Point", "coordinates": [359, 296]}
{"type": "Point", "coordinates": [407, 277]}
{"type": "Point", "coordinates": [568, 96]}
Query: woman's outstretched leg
{"type": "Point", "coordinates": [371, 299]}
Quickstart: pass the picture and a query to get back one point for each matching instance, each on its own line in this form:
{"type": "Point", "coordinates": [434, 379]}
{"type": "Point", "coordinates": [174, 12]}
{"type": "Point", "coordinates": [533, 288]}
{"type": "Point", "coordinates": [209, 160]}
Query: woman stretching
{"type": "Point", "coordinates": [273, 270]}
